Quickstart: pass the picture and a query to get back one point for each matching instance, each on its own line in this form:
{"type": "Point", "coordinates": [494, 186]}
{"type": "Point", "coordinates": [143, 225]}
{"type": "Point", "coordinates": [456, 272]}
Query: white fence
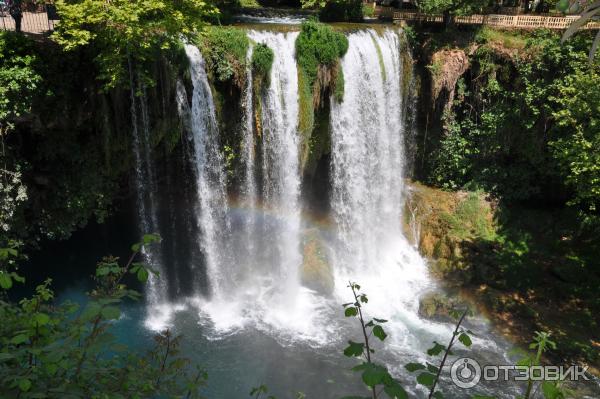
{"type": "Point", "coordinates": [505, 21]}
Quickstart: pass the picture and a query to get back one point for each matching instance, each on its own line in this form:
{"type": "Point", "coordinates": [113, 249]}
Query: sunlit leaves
{"type": "Point", "coordinates": [436, 349]}
{"type": "Point", "coordinates": [354, 349]}
{"type": "Point", "coordinates": [379, 332]}
{"type": "Point", "coordinates": [465, 339]}
{"type": "Point", "coordinates": [351, 311]}
{"type": "Point", "coordinates": [412, 367]}
{"type": "Point", "coordinates": [127, 30]}
{"type": "Point", "coordinates": [426, 379]}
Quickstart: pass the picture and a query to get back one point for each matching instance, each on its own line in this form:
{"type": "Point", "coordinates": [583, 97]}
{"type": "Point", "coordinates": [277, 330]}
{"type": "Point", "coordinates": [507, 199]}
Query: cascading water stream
{"type": "Point", "coordinates": [145, 191]}
{"type": "Point", "coordinates": [212, 209]}
{"type": "Point", "coordinates": [254, 245]}
{"type": "Point", "coordinates": [367, 134]}
{"type": "Point", "coordinates": [280, 160]}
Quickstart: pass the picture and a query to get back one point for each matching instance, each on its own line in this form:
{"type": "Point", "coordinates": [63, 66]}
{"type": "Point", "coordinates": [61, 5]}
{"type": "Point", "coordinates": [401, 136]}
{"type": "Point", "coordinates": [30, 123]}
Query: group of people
{"type": "Point", "coordinates": [16, 12]}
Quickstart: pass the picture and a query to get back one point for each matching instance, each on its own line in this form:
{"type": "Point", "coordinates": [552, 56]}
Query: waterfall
{"type": "Point", "coordinates": [212, 212]}
{"type": "Point", "coordinates": [280, 159]}
{"type": "Point", "coordinates": [367, 134]}
{"type": "Point", "coordinates": [145, 190]}
{"type": "Point", "coordinates": [252, 246]}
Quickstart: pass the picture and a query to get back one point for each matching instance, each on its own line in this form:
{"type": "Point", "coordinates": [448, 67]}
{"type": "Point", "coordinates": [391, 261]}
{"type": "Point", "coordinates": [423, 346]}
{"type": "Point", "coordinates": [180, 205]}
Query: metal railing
{"type": "Point", "coordinates": [41, 19]}
{"type": "Point", "coordinates": [501, 21]}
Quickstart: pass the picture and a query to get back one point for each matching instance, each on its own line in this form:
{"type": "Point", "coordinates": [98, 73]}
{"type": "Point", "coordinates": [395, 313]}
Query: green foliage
{"type": "Point", "coordinates": [368, 10]}
{"type": "Point", "coordinates": [64, 351]}
{"type": "Point", "coordinates": [19, 79]}
{"type": "Point", "coordinates": [19, 82]}
{"type": "Point", "coordinates": [523, 129]}
{"type": "Point", "coordinates": [126, 32]}
{"type": "Point", "coordinates": [577, 147]}
{"type": "Point", "coordinates": [343, 11]}
{"type": "Point", "coordinates": [376, 377]}
{"type": "Point", "coordinates": [470, 220]}
{"type": "Point", "coordinates": [318, 45]}
{"type": "Point", "coordinates": [429, 374]}
{"type": "Point", "coordinates": [262, 61]}
{"type": "Point", "coordinates": [451, 7]}
{"type": "Point", "coordinates": [225, 49]}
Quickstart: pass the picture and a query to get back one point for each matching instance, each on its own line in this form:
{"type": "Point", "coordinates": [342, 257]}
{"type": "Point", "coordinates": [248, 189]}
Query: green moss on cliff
{"type": "Point", "coordinates": [318, 51]}
{"type": "Point", "coordinates": [225, 52]}
{"type": "Point", "coordinates": [262, 61]}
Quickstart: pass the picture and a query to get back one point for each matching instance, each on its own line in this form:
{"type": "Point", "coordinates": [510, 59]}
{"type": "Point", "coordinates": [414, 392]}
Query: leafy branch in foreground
{"type": "Point", "coordinates": [49, 350]}
{"type": "Point", "coordinates": [375, 376]}
{"type": "Point", "coordinates": [431, 377]}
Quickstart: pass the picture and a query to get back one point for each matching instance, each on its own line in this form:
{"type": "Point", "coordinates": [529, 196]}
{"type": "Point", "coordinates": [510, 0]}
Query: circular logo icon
{"type": "Point", "coordinates": [465, 372]}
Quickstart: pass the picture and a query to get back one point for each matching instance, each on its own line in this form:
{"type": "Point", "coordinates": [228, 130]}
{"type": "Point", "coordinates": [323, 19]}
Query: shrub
{"type": "Point", "coordinates": [368, 10]}
{"type": "Point", "coordinates": [342, 11]}
{"type": "Point", "coordinates": [262, 61]}
{"type": "Point", "coordinates": [225, 52]}
{"type": "Point", "coordinates": [318, 44]}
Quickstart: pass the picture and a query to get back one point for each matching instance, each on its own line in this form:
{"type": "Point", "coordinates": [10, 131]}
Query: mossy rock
{"type": "Point", "coordinates": [316, 272]}
{"type": "Point", "coordinates": [450, 226]}
{"type": "Point", "coordinates": [437, 306]}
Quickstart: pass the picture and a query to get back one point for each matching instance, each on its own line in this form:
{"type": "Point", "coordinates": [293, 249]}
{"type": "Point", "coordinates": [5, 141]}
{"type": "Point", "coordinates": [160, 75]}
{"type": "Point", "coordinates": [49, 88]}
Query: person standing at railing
{"type": "Point", "coordinates": [14, 8]}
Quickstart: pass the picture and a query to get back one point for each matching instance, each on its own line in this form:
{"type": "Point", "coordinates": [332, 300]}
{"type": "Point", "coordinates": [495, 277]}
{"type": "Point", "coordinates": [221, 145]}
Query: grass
{"type": "Point", "coordinates": [507, 39]}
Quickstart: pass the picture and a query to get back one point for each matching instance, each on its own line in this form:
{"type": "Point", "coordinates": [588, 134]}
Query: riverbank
{"type": "Point", "coordinates": [515, 265]}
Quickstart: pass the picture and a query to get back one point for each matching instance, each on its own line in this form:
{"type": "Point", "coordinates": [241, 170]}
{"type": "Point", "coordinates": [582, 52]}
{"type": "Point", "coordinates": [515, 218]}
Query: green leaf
{"type": "Point", "coordinates": [395, 391]}
{"type": "Point", "coordinates": [91, 311]}
{"type": "Point", "coordinates": [24, 385]}
{"type": "Point", "coordinates": [136, 247]}
{"type": "Point", "coordinates": [5, 280]}
{"type": "Point", "coordinates": [375, 375]}
{"type": "Point", "coordinates": [438, 395]}
{"type": "Point", "coordinates": [379, 320]}
{"type": "Point", "coordinates": [426, 379]}
{"type": "Point", "coordinates": [6, 356]}
{"type": "Point", "coordinates": [351, 311]}
{"type": "Point", "coordinates": [17, 278]}
{"type": "Point", "coordinates": [41, 319]}
{"type": "Point", "coordinates": [465, 339]}
{"type": "Point", "coordinates": [150, 239]}
{"type": "Point", "coordinates": [111, 312]}
{"type": "Point", "coordinates": [550, 390]}
{"type": "Point", "coordinates": [19, 339]}
{"type": "Point", "coordinates": [432, 369]}
{"type": "Point", "coordinates": [379, 333]}
{"type": "Point", "coordinates": [142, 275]}
{"type": "Point", "coordinates": [436, 349]}
{"type": "Point", "coordinates": [354, 349]}
{"type": "Point", "coordinates": [412, 367]}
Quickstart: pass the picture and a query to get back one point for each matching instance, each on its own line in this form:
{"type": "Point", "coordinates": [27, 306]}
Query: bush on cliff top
{"type": "Point", "coordinates": [262, 60]}
{"type": "Point", "coordinates": [225, 52]}
{"type": "Point", "coordinates": [318, 44]}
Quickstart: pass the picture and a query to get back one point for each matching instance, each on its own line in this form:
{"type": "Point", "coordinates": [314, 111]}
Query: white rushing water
{"type": "Point", "coordinates": [146, 201]}
{"type": "Point", "coordinates": [210, 180]}
{"type": "Point", "coordinates": [253, 249]}
{"type": "Point", "coordinates": [367, 133]}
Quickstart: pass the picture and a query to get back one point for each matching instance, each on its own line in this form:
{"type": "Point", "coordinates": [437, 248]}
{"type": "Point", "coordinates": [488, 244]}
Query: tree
{"type": "Point", "coordinates": [19, 82]}
{"type": "Point", "coordinates": [590, 13]}
{"type": "Point", "coordinates": [127, 32]}
{"type": "Point", "coordinates": [450, 8]}
{"type": "Point", "coordinates": [65, 351]}
{"type": "Point", "coordinates": [577, 149]}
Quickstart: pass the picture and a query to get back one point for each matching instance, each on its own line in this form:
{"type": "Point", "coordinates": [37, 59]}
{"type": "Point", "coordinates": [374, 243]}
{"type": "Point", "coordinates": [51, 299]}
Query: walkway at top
{"type": "Point", "coordinates": [39, 22]}
{"type": "Point", "coordinates": [498, 20]}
